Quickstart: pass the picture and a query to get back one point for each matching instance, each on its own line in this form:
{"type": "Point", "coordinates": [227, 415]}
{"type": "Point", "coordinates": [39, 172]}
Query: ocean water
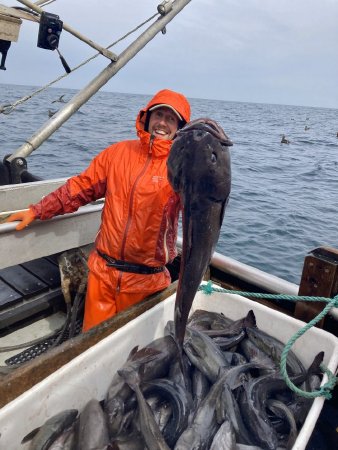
{"type": "Point", "coordinates": [284, 197]}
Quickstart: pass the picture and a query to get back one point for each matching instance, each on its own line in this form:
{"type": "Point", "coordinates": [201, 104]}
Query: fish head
{"type": "Point", "coordinates": [199, 162]}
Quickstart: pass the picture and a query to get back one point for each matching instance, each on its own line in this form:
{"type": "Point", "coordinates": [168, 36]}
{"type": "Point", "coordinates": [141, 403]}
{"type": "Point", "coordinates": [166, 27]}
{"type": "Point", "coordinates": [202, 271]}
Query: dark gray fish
{"type": "Point", "coordinates": [93, 427]}
{"type": "Point", "coordinates": [199, 171]}
{"type": "Point", "coordinates": [237, 375]}
{"type": "Point", "coordinates": [200, 387]}
{"type": "Point", "coordinates": [255, 395]}
{"type": "Point", "coordinates": [274, 348]}
{"type": "Point", "coordinates": [180, 402]}
{"type": "Point", "coordinates": [255, 354]}
{"type": "Point", "coordinates": [131, 442]}
{"type": "Point", "coordinates": [235, 328]}
{"type": "Point", "coordinates": [204, 353]}
{"type": "Point", "coordinates": [205, 424]}
{"type": "Point", "coordinates": [236, 358]}
{"type": "Point", "coordinates": [301, 405]}
{"type": "Point", "coordinates": [226, 343]}
{"type": "Point", "coordinates": [176, 375]}
{"type": "Point", "coordinates": [152, 361]}
{"type": "Point", "coordinates": [230, 406]}
{"type": "Point", "coordinates": [225, 438]}
{"type": "Point", "coordinates": [64, 441]}
{"type": "Point", "coordinates": [206, 320]}
{"type": "Point", "coordinates": [162, 414]}
{"type": "Point", "coordinates": [149, 428]}
{"type": "Point", "coordinates": [284, 412]}
{"type": "Point", "coordinates": [52, 429]}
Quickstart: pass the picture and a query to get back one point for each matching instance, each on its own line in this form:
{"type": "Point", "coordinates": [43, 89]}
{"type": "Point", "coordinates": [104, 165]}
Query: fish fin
{"type": "Point", "coordinates": [30, 435]}
{"type": "Point", "coordinates": [130, 373]}
{"type": "Point", "coordinates": [169, 328]}
{"type": "Point", "coordinates": [130, 376]}
{"type": "Point", "coordinates": [221, 216]}
{"type": "Point", "coordinates": [250, 320]}
{"type": "Point", "coordinates": [132, 352]}
{"type": "Point", "coordinates": [187, 344]}
{"type": "Point", "coordinates": [221, 414]}
{"type": "Point", "coordinates": [146, 354]}
{"type": "Point", "coordinates": [314, 369]}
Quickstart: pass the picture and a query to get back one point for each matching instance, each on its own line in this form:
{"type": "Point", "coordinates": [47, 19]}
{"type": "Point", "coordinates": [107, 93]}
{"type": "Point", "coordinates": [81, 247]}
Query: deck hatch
{"type": "Point", "coordinates": [8, 296]}
{"type": "Point", "coordinates": [44, 269]}
{"type": "Point", "coordinates": [23, 281]}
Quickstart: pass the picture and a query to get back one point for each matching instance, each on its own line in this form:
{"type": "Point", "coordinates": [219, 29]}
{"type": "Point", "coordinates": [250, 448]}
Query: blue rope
{"type": "Point", "coordinates": [325, 390]}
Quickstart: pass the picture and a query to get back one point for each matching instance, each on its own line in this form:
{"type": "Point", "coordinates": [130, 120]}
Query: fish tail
{"type": "Point", "coordinates": [131, 377]}
{"type": "Point", "coordinates": [250, 320]}
{"type": "Point", "coordinates": [314, 369]}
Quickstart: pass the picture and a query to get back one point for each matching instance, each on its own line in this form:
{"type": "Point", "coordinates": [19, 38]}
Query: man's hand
{"type": "Point", "coordinates": [25, 218]}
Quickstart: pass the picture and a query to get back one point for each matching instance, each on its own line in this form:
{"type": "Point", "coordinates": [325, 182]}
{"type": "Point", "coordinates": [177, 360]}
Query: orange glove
{"type": "Point", "coordinates": [25, 218]}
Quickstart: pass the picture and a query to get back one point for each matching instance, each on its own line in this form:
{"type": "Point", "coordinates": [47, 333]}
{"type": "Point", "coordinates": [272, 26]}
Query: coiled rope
{"type": "Point", "coordinates": [8, 108]}
{"type": "Point", "coordinates": [325, 390]}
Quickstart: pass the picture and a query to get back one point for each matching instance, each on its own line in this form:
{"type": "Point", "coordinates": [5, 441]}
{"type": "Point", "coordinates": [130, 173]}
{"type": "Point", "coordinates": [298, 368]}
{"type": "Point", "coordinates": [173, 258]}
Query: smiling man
{"type": "Point", "coordinates": [164, 122]}
{"type": "Point", "coordinates": [138, 231]}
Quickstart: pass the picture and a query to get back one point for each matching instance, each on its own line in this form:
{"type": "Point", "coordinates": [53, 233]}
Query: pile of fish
{"type": "Point", "coordinates": [230, 395]}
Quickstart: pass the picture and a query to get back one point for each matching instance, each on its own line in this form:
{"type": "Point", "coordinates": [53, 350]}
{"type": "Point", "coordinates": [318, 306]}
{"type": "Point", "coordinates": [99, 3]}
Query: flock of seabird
{"type": "Point", "coordinates": [287, 141]}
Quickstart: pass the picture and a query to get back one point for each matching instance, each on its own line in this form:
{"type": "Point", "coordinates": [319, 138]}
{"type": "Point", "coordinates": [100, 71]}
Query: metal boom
{"type": "Point", "coordinates": [55, 122]}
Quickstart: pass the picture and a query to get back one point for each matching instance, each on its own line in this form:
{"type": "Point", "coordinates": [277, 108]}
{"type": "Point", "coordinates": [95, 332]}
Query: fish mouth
{"type": "Point", "coordinates": [205, 125]}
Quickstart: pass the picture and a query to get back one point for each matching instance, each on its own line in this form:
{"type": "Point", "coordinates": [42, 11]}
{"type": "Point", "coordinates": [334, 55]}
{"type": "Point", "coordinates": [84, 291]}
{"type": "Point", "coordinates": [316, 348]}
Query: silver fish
{"type": "Point", "coordinates": [149, 428]}
{"type": "Point", "coordinates": [180, 401]}
{"type": "Point", "coordinates": [225, 438]}
{"type": "Point", "coordinates": [205, 424]}
{"type": "Point", "coordinates": [274, 348]}
{"type": "Point", "coordinates": [255, 395]}
{"type": "Point", "coordinates": [204, 353]}
{"type": "Point", "coordinates": [93, 427]}
{"type": "Point", "coordinates": [152, 361]}
{"type": "Point", "coordinates": [281, 410]}
{"type": "Point", "coordinates": [52, 429]}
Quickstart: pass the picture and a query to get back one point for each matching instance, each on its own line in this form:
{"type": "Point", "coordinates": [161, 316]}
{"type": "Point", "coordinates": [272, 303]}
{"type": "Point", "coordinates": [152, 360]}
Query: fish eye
{"type": "Point", "coordinates": [213, 158]}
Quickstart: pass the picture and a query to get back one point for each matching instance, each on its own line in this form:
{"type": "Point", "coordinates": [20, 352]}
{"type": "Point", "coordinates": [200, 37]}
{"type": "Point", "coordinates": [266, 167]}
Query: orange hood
{"type": "Point", "coordinates": [175, 99]}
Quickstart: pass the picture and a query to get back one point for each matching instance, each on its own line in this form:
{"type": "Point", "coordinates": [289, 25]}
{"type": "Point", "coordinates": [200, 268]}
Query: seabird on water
{"type": "Point", "coordinates": [284, 140]}
{"type": "Point", "coordinates": [60, 99]}
{"type": "Point", "coordinates": [51, 112]}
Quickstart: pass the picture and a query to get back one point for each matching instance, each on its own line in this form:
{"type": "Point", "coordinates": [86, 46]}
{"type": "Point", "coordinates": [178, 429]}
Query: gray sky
{"type": "Point", "coordinates": [265, 51]}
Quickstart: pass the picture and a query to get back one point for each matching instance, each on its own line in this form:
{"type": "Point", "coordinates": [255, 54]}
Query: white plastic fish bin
{"type": "Point", "coordinates": [89, 375]}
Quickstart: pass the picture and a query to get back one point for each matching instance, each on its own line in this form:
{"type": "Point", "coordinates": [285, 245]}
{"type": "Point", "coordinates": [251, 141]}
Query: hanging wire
{"type": "Point", "coordinates": [8, 108]}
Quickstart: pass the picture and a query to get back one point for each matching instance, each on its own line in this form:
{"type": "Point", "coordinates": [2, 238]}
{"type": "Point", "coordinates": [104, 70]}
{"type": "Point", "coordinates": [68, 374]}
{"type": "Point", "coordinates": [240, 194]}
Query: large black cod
{"type": "Point", "coordinates": [199, 171]}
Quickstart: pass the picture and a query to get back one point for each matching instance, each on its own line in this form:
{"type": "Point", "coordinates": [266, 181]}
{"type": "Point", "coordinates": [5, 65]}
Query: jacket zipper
{"type": "Point", "coordinates": [130, 210]}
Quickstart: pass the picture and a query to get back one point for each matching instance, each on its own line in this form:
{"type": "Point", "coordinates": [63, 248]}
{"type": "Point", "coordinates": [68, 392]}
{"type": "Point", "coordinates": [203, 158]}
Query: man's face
{"type": "Point", "coordinates": [163, 123]}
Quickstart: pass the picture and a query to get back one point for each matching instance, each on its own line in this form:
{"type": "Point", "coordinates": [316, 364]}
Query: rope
{"type": "Point", "coordinates": [8, 108]}
{"type": "Point", "coordinates": [325, 390]}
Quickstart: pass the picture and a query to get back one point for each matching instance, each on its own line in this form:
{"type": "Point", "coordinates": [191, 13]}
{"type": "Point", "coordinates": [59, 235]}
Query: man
{"type": "Point", "coordinates": [138, 231]}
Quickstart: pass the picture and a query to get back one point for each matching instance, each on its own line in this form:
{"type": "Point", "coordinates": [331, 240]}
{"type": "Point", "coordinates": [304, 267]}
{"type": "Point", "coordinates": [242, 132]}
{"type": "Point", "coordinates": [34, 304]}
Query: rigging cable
{"type": "Point", "coordinates": [8, 108]}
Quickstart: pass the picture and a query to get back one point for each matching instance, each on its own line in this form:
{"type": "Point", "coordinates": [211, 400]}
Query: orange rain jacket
{"type": "Point", "coordinates": [140, 214]}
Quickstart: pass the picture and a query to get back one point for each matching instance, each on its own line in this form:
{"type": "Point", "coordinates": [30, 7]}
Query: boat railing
{"type": "Point", "coordinates": [43, 238]}
{"type": "Point", "coordinates": [254, 276]}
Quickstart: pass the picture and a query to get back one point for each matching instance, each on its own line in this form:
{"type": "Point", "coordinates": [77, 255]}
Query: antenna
{"type": "Point", "coordinates": [64, 63]}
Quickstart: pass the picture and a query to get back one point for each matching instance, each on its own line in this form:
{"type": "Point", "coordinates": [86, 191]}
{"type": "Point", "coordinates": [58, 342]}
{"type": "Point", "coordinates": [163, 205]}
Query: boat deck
{"type": "Point", "coordinates": [27, 290]}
